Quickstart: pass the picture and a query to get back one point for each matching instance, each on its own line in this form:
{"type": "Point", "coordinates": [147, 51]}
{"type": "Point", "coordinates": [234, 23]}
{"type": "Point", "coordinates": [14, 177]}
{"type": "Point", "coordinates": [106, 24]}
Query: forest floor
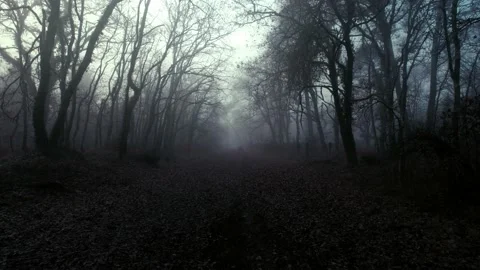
{"type": "Point", "coordinates": [224, 212]}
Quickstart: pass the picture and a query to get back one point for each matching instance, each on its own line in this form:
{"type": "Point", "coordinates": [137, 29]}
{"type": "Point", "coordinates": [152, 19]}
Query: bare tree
{"type": "Point", "coordinates": [43, 142]}
{"type": "Point", "coordinates": [434, 56]}
{"type": "Point", "coordinates": [130, 102]}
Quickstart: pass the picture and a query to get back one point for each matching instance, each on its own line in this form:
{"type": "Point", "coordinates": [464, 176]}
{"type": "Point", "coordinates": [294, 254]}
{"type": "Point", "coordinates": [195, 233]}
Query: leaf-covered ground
{"type": "Point", "coordinates": [218, 213]}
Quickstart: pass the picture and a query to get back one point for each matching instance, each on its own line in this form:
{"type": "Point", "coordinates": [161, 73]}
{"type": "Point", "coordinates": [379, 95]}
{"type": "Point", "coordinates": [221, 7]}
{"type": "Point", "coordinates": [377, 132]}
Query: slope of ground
{"type": "Point", "coordinates": [218, 213]}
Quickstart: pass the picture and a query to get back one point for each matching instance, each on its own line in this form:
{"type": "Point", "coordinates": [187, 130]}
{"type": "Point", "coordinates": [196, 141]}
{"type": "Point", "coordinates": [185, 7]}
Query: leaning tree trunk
{"type": "Point", "coordinates": [58, 127]}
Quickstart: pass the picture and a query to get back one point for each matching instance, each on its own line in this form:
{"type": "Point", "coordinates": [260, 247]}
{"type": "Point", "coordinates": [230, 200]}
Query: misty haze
{"type": "Point", "coordinates": [239, 134]}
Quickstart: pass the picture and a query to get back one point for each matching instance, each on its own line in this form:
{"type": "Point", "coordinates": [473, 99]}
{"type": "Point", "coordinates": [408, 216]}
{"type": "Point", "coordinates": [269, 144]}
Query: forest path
{"type": "Point", "coordinates": [219, 213]}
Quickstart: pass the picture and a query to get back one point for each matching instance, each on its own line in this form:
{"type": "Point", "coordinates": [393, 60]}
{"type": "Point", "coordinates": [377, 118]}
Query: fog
{"type": "Point", "coordinates": [239, 134]}
{"type": "Point", "coordinates": [160, 76]}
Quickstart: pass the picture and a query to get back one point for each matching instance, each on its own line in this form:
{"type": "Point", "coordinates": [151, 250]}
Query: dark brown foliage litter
{"type": "Point", "coordinates": [217, 213]}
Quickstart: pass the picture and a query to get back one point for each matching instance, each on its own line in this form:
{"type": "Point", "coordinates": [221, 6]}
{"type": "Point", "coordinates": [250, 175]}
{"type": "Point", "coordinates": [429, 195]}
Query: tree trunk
{"type": "Point", "coordinates": [318, 120]}
{"type": "Point", "coordinates": [153, 108]}
{"type": "Point", "coordinates": [69, 123]}
{"type": "Point", "coordinates": [127, 119]}
{"type": "Point", "coordinates": [89, 105]}
{"type": "Point", "coordinates": [434, 55]}
{"type": "Point", "coordinates": [336, 133]}
{"type": "Point", "coordinates": [24, 114]}
{"type": "Point", "coordinates": [454, 61]}
{"type": "Point", "coordinates": [297, 129]}
{"type": "Point", "coordinates": [310, 134]}
{"type": "Point", "coordinates": [111, 121]}
{"type": "Point", "coordinates": [137, 90]}
{"type": "Point", "coordinates": [99, 126]}
{"type": "Point", "coordinates": [46, 49]}
{"type": "Point", "coordinates": [344, 109]}
{"type": "Point", "coordinates": [346, 130]}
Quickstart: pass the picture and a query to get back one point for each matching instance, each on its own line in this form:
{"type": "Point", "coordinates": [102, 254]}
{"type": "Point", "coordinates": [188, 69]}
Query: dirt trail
{"type": "Point", "coordinates": [220, 213]}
